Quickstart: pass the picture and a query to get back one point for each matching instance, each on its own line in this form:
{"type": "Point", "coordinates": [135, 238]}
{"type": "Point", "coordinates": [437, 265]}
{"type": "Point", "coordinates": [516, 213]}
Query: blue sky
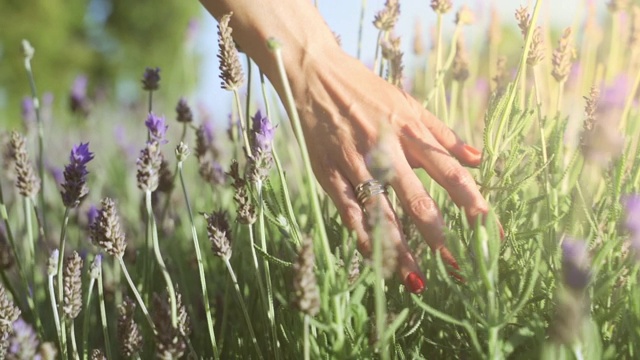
{"type": "Point", "coordinates": [343, 18]}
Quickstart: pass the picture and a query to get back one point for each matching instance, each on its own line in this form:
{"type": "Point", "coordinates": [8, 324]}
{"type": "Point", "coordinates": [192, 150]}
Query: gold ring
{"type": "Point", "coordinates": [367, 189]}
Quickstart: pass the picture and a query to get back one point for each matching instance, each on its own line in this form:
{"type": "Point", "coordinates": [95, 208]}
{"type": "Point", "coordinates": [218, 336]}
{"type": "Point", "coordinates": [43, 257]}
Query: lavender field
{"type": "Point", "coordinates": [158, 229]}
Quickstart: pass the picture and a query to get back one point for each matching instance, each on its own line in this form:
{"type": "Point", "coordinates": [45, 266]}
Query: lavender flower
{"type": "Point", "coordinates": [157, 128]}
{"type": "Point", "coordinates": [27, 182]}
{"type": "Point", "coordinates": [129, 333]}
{"type": "Point", "coordinates": [183, 111]}
{"type": "Point", "coordinates": [92, 215]}
{"type": "Point", "coordinates": [23, 343]}
{"type": "Point", "coordinates": [9, 313]}
{"type": "Point", "coordinates": [575, 263]}
{"type": "Point", "coordinates": [73, 286]}
{"type": "Point", "coordinates": [148, 164]}
{"type": "Point", "coordinates": [78, 101]}
{"type": "Point", "coordinates": [263, 132]}
{"type": "Point", "coordinates": [106, 232]}
{"type": "Point", "coordinates": [151, 79]}
{"type": "Point", "coordinates": [305, 286]}
{"type": "Point", "coordinates": [75, 176]}
{"type": "Point", "coordinates": [28, 111]}
{"type": "Point", "coordinates": [219, 233]}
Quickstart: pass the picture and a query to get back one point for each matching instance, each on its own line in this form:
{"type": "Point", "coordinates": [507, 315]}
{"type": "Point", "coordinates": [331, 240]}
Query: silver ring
{"type": "Point", "coordinates": [367, 189]}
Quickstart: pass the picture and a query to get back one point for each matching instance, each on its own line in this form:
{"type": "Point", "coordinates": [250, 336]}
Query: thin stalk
{"type": "Point", "coordinates": [56, 317]}
{"type": "Point", "coordinates": [360, 28]}
{"type": "Point", "coordinates": [263, 295]}
{"type": "Point", "coordinates": [245, 135]}
{"type": "Point", "coordinates": [203, 282]}
{"type": "Point", "coordinates": [30, 256]}
{"type": "Point", "coordinates": [243, 307]}
{"type": "Point", "coordinates": [267, 272]}
{"type": "Point", "coordinates": [376, 57]}
{"type": "Point", "coordinates": [103, 311]}
{"type": "Point", "coordinates": [629, 102]}
{"type": "Point", "coordinates": [495, 144]}
{"type": "Point", "coordinates": [63, 240]}
{"type": "Point", "coordinates": [150, 101]}
{"type": "Point", "coordinates": [439, 77]}
{"type": "Point", "coordinates": [559, 96]}
{"type": "Point", "coordinates": [378, 289]}
{"type": "Point", "coordinates": [307, 345]}
{"type": "Point", "coordinates": [613, 48]}
{"type": "Point", "coordinates": [72, 335]}
{"type": "Point", "coordinates": [160, 260]}
{"type": "Point", "coordinates": [287, 198]}
{"type": "Point", "coordinates": [247, 115]}
{"type": "Point", "coordinates": [86, 320]}
{"type": "Point", "coordinates": [438, 62]}
{"type": "Point", "coordinates": [297, 127]}
{"type": "Point", "coordinates": [135, 292]}
{"type": "Point", "coordinates": [453, 106]}
{"type": "Point", "coordinates": [36, 107]}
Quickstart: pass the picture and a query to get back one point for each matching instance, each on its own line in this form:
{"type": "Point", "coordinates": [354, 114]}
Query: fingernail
{"type": "Point", "coordinates": [472, 150]}
{"type": "Point", "coordinates": [501, 231]}
{"type": "Point", "coordinates": [414, 283]}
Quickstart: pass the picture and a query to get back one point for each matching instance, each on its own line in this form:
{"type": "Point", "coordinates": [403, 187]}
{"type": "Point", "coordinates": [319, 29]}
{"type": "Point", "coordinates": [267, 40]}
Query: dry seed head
{"type": "Point", "coordinates": [460, 66]}
{"type": "Point", "coordinates": [9, 313]}
{"type": "Point", "coordinates": [96, 354]}
{"type": "Point", "coordinates": [219, 233]}
{"type": "Point", "coordinates": [354, 268]}
{"type": "Point", "coordinates": [129, 333]}
{"type": "Point", "coordinates": [73, 286]}
{"type": "Point", "coordinates": [23, 342]}
{"type": "Point", "coordinates": [8, 164]}
{"type": "Point", "coordinates": [305, 287]}
{"type": "Point", "coordinates": [418, 42]}
{"type": "Point", "coordinates": [563, 55]}
{"type": "Point", "coordinates": [169, 342]}
{"type": "Point", "coordinates": [246, 211]}
{"type": "Point", "coordinates": [387, 18]}
{"type": "Point", "coordinates": [165, 177]}
{"type": "Point", "coordinates": [524, 19]}
{"type": "Point", "coordinates": [230, 68]}
{"type": "Point", "coordinates": [148, 165]}
{"type": "Point", "coordinates": [105, 231]}
{"type": "Point", "coordinates": [536, 53]}
{"type": "Point", "coordinates": [26, 180]}
{"type": "Point", "coordinates": [6, 255]}
{"type": "Point", "coordinates": [47, 351]}
{"type": "Point", "coordinates": [502, 76]}
{"type": "Point", "coordinates": [465, 16]}
{"type": "Point", "coordinates": [590, 108]}
{"type": "Point", "coordinates": [183, 112]}
{"type": "Point", "coordinates": [441, 6]}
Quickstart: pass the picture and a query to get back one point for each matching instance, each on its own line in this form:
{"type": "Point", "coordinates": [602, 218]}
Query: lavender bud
{"type": "Point", "coordinates": [169, 342]}
{"type": "Point", "coordinates": [575, 263]}
{"type": "Point", "coordinates": [27, 182]}
{"type": "Point", "coordinates": [96, 267]}
{"type": "Point", "coordinates": [184, 112]}
{"type": "Point", "coordinates": [78, 101]}
{"type": "Point", "coordinates": [263, 132]}
{"type": "Point", "coordinates": [27, 50]}
{"type": "Point", "coordinates": [52, 264]}
{"type": "Point", "coordinates": [230, 68]}
{"type": "Point", "coordinates": [219, 233]}
{"type": "Point", "coordinates": [148, 165]}
{"type": "Point", "coordinates": [23, 343]}
{"type": "Point", "coordinates": [73, 286]}
{"type": "Point", "coordinates": [75, 176]}
{"type": "Point", "coordinates": [182, 152]}
{"type": "Point", "coordinates": [632, 221]}
{"type": "Point", "coordinates": [9, 313]}
{"type": "Point", "coordinates": [307, 295]}
{"type": "Point", "coordinates": [151, 79]}
{"type": "Point", "coordinates": [106, 232]}
{"type": "Point", "coordinates": [129, 332]}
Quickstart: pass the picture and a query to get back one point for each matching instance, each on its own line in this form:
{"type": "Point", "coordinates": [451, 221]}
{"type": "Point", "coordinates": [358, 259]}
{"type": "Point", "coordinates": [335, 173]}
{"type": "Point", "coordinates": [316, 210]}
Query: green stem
{"type": "Point", "coordinates": [103, 311]}
{"type": "Point", "coordinates": [315, 204]}
{"type": "Point", "coordinates": [629, 102]}
{"type": "Point", "coordinates": [72, 334]}
{"type": "Point", "coordinates": [56, 317]}
{"type": "Point", "coordinates": [203, 282]}
{"type": "Point", "coordinates": [267, 272]}
{"type": "Point", "coordinates": [438, 63]}
{"type": "Point", "coordinates": [86, 320]}
{"type": "Point", "coordinates": [360, 28]}
{"type": "Point", "coordinates": [36, 107]}
{"type": "Point", "coordinates": [378, 289]}
{"type": "Point", "coordinates": [135, 292]}
{"type": "Point", "coordinates": [63, 240]}
{"type": "Point", "coordinates": [160, 260]}
{"type": "Point", "coordinates": [245, 135]}
{"type": "Point", "coordinates": [247, 319]}
{"type": "Point", "coordinates": [307, 345]}
{"type": "Point", "coordinates": [30, 253]}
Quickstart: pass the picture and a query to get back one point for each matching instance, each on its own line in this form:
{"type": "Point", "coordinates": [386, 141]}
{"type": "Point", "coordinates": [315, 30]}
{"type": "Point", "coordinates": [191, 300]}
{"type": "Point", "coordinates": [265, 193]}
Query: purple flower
{"type": "Point", "coordinates": [151, 79]}
{"type": "Point", "coordinates": [575, 263]}
{"type": "Point", "coordinates": [263, 132]}
{"type": "Point", "coordinates": [92, 215]}
{"type": "Point", "coordinates": [78, 101]}
{"type": "Point", "coordinates": [24, 341]}
{"type": "Point", "coordinates": [28, 111]}
{"type": "Point", "coordinates": [57, 174]}
{"type": "Point", "coordinates": [75, 175]}
{"type": "Point", "coordinates": [157, 128]}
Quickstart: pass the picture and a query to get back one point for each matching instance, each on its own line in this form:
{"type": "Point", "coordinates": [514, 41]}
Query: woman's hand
{"type": "Point", "coordinates": [344, 107]}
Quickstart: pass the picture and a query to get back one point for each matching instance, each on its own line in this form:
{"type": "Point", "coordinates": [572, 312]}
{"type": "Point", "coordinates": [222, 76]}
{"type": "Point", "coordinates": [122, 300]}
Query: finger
{"type": "Point", "coordinates": [462, 151]}
{"type": "Point", "coordinates": [407, 267]}
{"type": "Point", "coordinates": [424, 212]}
{"type": "Point", "coordinates": [446, 171]}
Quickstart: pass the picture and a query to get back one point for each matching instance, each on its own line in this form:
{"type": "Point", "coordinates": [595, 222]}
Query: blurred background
{"type": "Point", "coordinates": [112, 41]}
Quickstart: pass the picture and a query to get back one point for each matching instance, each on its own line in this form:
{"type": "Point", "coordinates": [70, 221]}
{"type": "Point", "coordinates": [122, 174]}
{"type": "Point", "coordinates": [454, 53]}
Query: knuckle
{"type": "Point", "coordinates": [423, 207]}
{"type": "Point", "coordinates": [458, 177]}
{"type": "Point", "coordinates": [352, 217]}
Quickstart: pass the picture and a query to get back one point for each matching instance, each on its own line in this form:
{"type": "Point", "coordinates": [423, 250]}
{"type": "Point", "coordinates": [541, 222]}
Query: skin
{"type": "Point", "coordinates": [344, 108]}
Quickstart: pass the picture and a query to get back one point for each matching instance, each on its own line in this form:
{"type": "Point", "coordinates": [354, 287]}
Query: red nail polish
{"type": "Point", "coordinates": [501, 231]}
{"type": "Point", "coordinates": [414, 283]}
{"type": "Point", "coordinates": [472, 150]}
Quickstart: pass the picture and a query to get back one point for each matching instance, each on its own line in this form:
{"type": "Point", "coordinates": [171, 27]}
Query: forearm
{"type": "Point", "coordinates": [296, 24]}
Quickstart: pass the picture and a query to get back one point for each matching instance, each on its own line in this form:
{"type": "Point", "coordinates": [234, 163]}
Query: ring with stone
{"type": "Point", "coordinates": [368, 189]}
